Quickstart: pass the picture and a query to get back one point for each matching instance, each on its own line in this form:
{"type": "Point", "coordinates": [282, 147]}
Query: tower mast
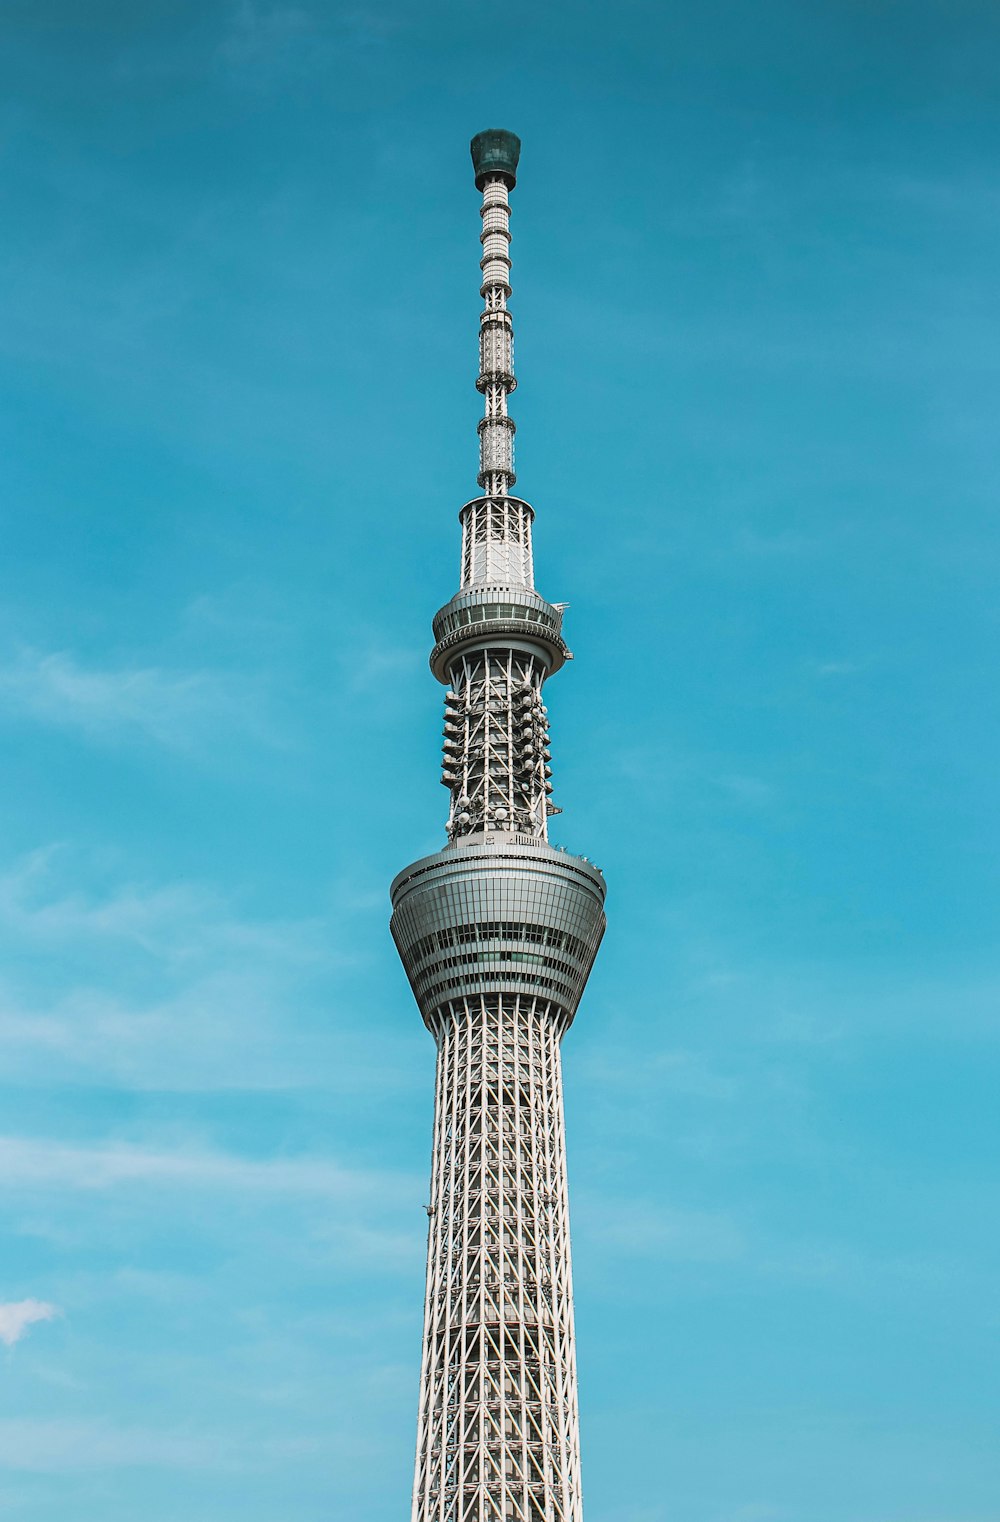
{"type": "Point", "coordinates": [498, 933]}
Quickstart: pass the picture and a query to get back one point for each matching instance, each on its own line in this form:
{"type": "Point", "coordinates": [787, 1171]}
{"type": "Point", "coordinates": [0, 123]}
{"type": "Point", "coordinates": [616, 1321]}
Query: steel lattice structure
{"type": "Point", "coordinates": [498, 932]}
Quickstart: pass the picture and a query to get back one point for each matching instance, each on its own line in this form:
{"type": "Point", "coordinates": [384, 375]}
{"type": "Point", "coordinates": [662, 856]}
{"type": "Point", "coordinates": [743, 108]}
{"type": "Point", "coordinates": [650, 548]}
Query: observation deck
{"type": "Point", "coordinates": [480, 616]}
{"type": "Point", "coordinates": [500, 913]}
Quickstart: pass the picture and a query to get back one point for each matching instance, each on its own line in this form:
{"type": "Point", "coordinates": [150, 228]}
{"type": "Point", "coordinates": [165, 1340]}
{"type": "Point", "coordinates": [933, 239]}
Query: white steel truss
{"type": "Point", "coordinates": [496, 744]}
{"type": "Point", "coordinates": [498, 1432]}
{"type": "Point", "coordinates": [496, 542]}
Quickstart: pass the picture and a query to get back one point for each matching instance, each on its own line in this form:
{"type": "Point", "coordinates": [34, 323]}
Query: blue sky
{"type": "Point", "coordinates": [756, 253]}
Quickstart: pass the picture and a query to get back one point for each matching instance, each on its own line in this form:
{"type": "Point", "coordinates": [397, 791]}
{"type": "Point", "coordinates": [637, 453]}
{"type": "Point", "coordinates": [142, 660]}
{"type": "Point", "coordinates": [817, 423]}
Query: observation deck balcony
{"type": "Point", "coordinates": [481, 616]}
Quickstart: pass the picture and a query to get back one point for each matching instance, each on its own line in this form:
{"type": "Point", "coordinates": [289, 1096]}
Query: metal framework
{"type": "Point", "coordinates": [498, 933]}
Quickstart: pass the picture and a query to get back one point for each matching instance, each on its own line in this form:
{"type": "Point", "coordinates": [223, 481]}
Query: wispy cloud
{"type": "Point", "coordinates": [836, 668]}
{"type": "Point", "coordinates": [174, 986]}
{"type": "Point", "coordinates": [228, 1031]}
{"type": "Point", "coordinates": [643, 1228]}
{"type": "Point", "coordinates": [185, 711]}
{"type": "Point", "coordinates": [48, 1447]}
{"type": "Point", "coordinates": [178, 921]}
{"type": "Point", "coordinates": [16, 1316]}
{"type": "Point", "coordinates": [266, 41]}
{"type": "Point", "coordinates": [332, 1212]}
{"type": "Point", "coordinates": [370, 659]}
{"type": "Point", "coordinates": [672, 1071]}
{"type": "Point", "coordinates": [258, 32]}
{"type": "Point", "coordinates": [32, 1163]}
{"type": "Point", "coordinates": [785, 543]}
{"type": "Point", "coordinates": [754, 1512]}
{"type": "Point", "coordinates": [747, 789]}
{"type": "Point", "coordinates": [732, 1241]}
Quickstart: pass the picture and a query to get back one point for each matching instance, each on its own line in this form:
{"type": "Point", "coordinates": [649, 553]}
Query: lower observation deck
{"type": "Point", "coordinates": [498, 913]}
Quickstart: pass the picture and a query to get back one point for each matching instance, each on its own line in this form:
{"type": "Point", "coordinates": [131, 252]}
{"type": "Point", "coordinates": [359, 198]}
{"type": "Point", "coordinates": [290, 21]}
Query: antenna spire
{"type": "Point", "coordinates": [494, 156]}
{"type": "Point", "coordinates": [496, 527]}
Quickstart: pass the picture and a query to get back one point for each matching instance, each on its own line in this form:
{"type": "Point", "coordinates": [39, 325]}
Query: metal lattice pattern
{"type": "Point", "coordinates": [498, 1417]}
{"type": "Point", "coordinates": [496, 744]}
{"type": "Point", "coordinates": [496, 542]}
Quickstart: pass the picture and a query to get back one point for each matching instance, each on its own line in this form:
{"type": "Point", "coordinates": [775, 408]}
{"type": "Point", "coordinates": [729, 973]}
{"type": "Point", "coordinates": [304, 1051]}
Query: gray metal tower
{"type": "Point", "coordinates": [498, 932]}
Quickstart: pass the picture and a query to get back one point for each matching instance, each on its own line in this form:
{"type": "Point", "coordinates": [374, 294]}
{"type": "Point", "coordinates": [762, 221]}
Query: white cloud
{"type": "Point", "coordinates": [16, 1316]}
{"type": "Point", "coordinates": [181, 710]}
{"type": "Point", "coordinates": [754, 1512]}
{"type": "Point", "coordinates": [34, 1163]}
{"type": "Point", "coordinates": [264, 41]}
{"type": "Point", "coordinates": [51, 1447]}
{"type": "Point", "coordinates": [671, 1071]}
{"type": "Point", "coordinates": [258, 32]}
{"type": "Point", "coordinates": [645, 1229]}
{"type": "Point", "coordinates": [334, 1214]}
{"type": "Point", "coordinates": [836, 668]}
{"type": "Point", "coordinates": [745, 789]}
{"type": "Point", "coordinates": [181, 921]}
{"type": "Point", "coordinates": [229, 1030]}
{"type": "Point", "coordinates": [170, 986]}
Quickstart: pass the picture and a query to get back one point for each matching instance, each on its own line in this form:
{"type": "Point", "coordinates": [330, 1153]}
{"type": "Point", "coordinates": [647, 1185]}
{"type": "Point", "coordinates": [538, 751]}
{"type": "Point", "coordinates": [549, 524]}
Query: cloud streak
{"type": "Point", "coordinates": [16, 1316]}
{"type": "Point", "coordinates": [36, 1163]}
{"type": "Point", "coordinates": [182, 921]}
{"type": "Point", "coordinates": [50, 1447]}
{"type": "Point", "coordinates": [155, 986]}
{"type": "Point", "coordinates": [183, 711]}
{"type": "Point", "coordinates": [642, 1228]}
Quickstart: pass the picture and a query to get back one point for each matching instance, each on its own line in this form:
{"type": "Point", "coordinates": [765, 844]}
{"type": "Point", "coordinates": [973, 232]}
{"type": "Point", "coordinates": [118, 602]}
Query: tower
{"type": "Point", "coordinates": [498, 932]}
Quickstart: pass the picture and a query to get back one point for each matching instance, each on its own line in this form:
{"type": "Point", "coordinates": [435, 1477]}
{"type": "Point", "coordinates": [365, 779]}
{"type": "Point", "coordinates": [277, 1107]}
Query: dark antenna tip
{"type": "Point", "coordinates": [495, 153]}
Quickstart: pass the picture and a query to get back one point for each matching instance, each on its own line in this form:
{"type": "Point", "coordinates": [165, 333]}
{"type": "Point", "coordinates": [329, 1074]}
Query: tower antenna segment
{"type": "Point", "coordinates": [498, 933]}
{"type": "Point", "coordinates": [496, 528]}
{"type": "Point", "coordinates": [495, 156]}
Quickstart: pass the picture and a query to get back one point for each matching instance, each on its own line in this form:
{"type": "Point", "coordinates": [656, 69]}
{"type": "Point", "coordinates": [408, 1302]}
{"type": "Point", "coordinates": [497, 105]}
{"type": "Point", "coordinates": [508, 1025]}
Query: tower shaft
{"type": "Point", "coordinates": [498, 1414]}
{"type": "Point", "coordinates": [498, 932]}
